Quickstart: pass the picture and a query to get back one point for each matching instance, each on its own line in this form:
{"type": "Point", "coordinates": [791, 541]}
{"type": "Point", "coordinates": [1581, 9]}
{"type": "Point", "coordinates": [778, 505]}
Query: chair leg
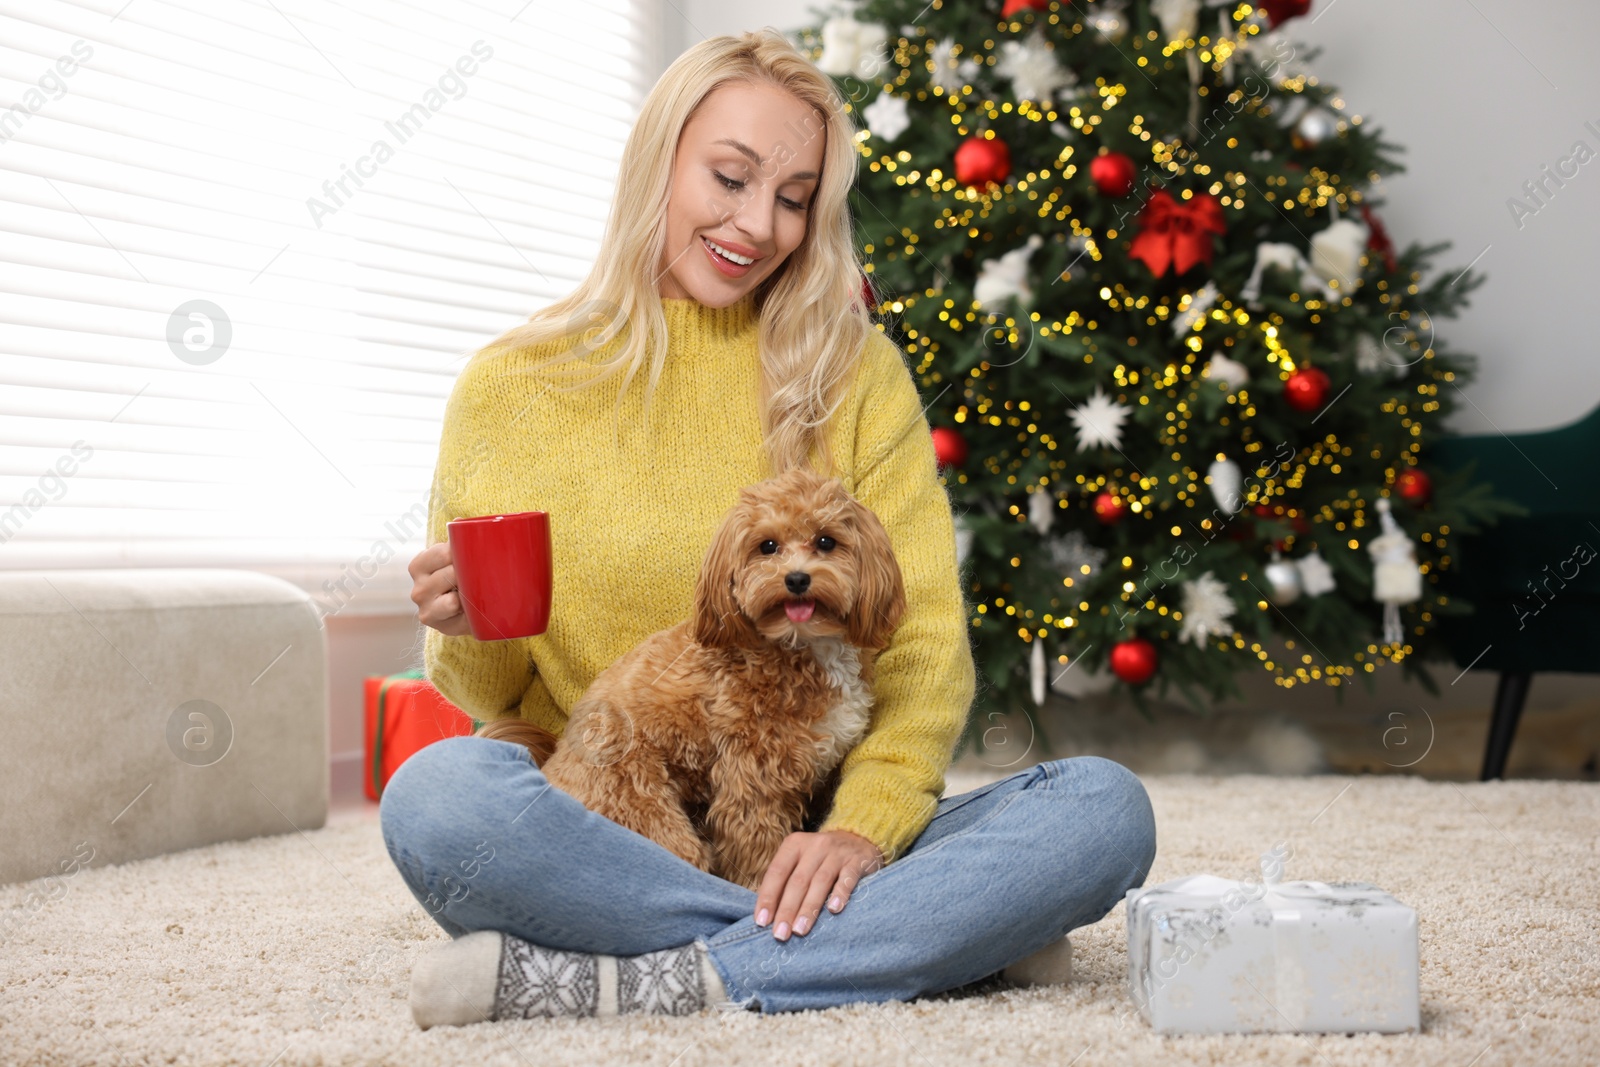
{"type": "Point", "coordinates": [1509, 696]}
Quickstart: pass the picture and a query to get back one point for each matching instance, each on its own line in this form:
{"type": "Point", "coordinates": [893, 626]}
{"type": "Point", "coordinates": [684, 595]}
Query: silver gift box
{"type": "Point", "coordinates": [1209, 955]}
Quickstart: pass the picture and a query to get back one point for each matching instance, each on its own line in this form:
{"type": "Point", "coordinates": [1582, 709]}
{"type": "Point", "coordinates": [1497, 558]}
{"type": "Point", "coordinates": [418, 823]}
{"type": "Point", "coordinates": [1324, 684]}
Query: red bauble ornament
{"type": "Point", "coordinates": [1112, 173]}
{"type": "Point", "coordinates": [1414, 486]}
{"type": "Point", "coordinates": [1133, 660]}
{"type": "Point", "coordinates": [949, 447]}
{"type": "Point", "coordinates": [1014, 6]}
{"type": "Point", "coordinates": [1378, 238]}
{"type": "Point", "coordinates": [1306, 389]}
{"type": "Point", "coordinates": [1177, 232]}
{"type": "Point", "coordinates": [1280, 11]}
{"type": "Point", "coordinates": [1109, 508]}
{"type": "Point", "coordinates": [981, 160]}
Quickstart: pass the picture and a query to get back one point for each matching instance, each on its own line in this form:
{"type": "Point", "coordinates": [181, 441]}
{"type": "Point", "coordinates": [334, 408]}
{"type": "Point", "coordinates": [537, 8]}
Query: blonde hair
{"type": "Point", "coordinates": [807, 354]}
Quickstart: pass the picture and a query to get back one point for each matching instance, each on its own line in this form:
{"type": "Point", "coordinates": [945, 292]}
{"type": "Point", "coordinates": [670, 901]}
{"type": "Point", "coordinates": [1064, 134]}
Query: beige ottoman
{"type": "Point", "coordinates": [148, 710]}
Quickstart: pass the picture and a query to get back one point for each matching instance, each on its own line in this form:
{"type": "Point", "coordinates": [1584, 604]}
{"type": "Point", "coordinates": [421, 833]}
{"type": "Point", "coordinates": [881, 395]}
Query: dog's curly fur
{"type": "Point", "coordinates": [722, 735]}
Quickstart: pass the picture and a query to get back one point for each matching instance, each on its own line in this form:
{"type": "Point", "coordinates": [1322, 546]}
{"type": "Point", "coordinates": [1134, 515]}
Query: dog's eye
{"type": "Point", "coordinates": [768, 547]}
{"type": "Point", "coordinates": [826, 544]}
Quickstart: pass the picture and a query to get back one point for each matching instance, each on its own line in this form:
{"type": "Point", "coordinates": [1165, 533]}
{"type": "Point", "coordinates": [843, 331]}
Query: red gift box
{"type": "Point", "coordinates": [404, 713]}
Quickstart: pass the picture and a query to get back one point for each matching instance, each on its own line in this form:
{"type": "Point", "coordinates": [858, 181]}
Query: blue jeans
{"type": "Point", "coordinates": [485, 842]}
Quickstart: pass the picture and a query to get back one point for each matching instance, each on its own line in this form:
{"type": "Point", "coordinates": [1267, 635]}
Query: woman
{"type": "Point", "coordinates": [727, 271]}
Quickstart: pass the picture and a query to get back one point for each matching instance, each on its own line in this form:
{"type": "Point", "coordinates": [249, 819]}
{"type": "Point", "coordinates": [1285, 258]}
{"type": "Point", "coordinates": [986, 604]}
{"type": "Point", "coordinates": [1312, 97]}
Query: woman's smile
{"type": "Point", "coordinates": [733, 268]}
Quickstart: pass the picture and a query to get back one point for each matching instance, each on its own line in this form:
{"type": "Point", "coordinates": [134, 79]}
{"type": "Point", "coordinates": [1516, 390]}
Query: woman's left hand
{"type": "Point", "coordinates": [811, 868]}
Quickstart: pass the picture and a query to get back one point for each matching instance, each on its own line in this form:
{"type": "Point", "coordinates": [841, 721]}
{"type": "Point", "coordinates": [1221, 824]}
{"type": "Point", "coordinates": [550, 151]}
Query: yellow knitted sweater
{"type": "Point", "coordinates": [630, 528]}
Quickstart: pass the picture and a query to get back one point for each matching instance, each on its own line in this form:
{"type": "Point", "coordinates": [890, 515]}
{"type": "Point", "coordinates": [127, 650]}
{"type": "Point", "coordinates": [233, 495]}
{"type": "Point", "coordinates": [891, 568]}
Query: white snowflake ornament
{"type": "Point", "coordinates": [1109, 19]}
{"type": "Point", "coordinates": [1006, 276]}
{"type": "Point", "coordinates": [1032, 67]}
{"type": "Point", "coordinates": [886, 116]}
{"type": "Point", "coordinates": [1075, 557]}
{"type": "Point", "coordinates": [950, 74]}
{"type": "Point", "coordinates": [1099, 421]}
{"type": "Point", "coordinates": [1206, 609]}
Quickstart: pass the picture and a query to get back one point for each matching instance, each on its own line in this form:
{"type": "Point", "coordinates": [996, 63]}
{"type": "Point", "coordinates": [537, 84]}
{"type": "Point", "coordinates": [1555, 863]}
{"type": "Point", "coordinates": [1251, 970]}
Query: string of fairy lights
{"type": "Point", "coordinates": [1260, 338]}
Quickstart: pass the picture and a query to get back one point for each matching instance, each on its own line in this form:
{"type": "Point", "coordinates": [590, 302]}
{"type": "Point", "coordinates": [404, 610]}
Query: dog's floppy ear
{"type": "Point", "coordinates": [718, 622]}
{"type": "Point", "coordinates": [881, 598]}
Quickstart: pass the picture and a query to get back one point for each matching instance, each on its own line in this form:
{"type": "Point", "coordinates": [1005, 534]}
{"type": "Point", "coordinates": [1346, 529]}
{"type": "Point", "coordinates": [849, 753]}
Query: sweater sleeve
{"type": "Point", "coordinates": [486, 679]}
{"type": "Point", "coordinates": [890, 783]}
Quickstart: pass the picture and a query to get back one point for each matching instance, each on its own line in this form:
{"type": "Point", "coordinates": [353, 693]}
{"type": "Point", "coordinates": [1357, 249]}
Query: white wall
{"type": "Point", "coordinates": [1481, 95]}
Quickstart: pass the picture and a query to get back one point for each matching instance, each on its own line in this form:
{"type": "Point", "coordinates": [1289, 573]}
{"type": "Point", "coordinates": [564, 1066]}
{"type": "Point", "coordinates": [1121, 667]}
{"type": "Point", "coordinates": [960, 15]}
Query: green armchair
{"type": "Point", "coordinates": [1533, 581]}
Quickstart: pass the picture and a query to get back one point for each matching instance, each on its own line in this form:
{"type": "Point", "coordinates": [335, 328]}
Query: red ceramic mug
{"type": "Point", "coordinates": [503, 573]}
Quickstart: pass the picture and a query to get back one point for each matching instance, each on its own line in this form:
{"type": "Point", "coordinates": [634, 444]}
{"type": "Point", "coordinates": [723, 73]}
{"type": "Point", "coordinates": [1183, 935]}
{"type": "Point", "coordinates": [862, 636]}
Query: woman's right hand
{"type": "Point", "coordinates": [433, 575]}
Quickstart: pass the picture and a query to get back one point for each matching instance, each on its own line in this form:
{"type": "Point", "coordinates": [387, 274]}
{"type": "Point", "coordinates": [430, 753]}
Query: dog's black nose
{"type": "Point", "coordinates": [797, 582]}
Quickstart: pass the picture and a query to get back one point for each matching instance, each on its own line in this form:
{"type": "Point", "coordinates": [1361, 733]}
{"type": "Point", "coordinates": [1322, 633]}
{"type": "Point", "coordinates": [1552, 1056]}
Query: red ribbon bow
{"type": "Point", "coordinates": [1176, 232]}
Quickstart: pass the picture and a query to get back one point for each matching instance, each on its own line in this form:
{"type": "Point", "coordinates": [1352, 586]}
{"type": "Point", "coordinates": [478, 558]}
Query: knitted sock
{"type": "Point", "coordinates": [488, 975]}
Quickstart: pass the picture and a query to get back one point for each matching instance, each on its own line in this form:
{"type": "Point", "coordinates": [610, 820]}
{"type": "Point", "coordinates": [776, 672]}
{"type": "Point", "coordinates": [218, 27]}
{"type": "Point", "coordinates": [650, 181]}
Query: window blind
{"type": "Point", "coordinates": [247, 247]}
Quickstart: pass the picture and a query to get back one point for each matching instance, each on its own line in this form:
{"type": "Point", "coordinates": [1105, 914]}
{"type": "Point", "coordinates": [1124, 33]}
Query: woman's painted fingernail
{"type": "Point", "coordinates": [781, 932]}
{"type": "Point", "coordinates": [834, 904]}
{"type": "Point", "coordinates": [762, 917]}
{"type": "Point", "coordinates": [800, 924]}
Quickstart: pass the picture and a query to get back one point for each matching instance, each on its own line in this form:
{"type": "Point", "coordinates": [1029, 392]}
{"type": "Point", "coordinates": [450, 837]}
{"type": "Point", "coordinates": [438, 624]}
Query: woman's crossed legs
{"type": "Point", "coordinates": [484, 842]}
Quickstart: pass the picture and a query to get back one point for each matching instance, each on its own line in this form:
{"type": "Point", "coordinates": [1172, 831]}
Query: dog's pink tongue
{"type": "Point", "coordinates": [799, 610]}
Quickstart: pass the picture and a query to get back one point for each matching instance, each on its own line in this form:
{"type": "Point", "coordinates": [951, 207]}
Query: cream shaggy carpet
{"type": "Point", "coordinates": [297, 949]}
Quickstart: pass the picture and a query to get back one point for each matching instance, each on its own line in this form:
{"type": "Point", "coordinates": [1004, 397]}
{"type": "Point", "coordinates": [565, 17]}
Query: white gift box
{"type": "Point", "coordinates": [1209, 955]}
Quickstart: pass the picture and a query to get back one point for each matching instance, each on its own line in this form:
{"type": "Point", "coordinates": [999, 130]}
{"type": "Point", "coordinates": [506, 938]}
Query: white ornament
{"type": "Point", "coordinates": [1336, 256]}
{"type": "Point", "coordinates": [963, 541]}
{"type": "Point", "coordinates": [1284, 578]}
{"type": "Point", "coordinates": [1239, 45]}
{"type": "Point", "coordinates": [1079, 678]}
{"type": "Point", "coordinates": [1371, 357]}
{"type": "Point", "coordinates": [1200, 302]}
{"type": "Point", "coordinates": [1206, 609]}
{"type": "Point", "coordinates": [1072, 553]}
{"type": "Point", "coordinates": [950, 74]}
{"type": "Point", "coordinates": [886, 116]}
{"type": "Point", "coordinates": [1041, 509]}
{"type": "Point", "coordinates": [1316, 125]}
{"type": "Point", "coordinates": [1109, 19]}
{"type": "Point", "coordinates": [852, 49]}
{"type": "Point", "coordinates": [1032, 67]}
{"type": "Point", "coordinates": [1226, 483]}
{"type": "Point", "coordinates": [1396, 578]}
{"type": "Point", "coordinates": [1006, 276]}
{"type": "Point", "coordinates": [1277, 58]}
{"type": "Point", "coordinates": [1259, 49]}
{"type": "Point", "coordinates": [1179, 18]}
{"type": "Point", "coordinates": [1316, 577]}
{"type": "Point", "coordinates": [1036, 671]}
{"type": "Point", "coordinates": [1226, 373]}
{"type": "Point", "coordinates": [1270, 254]}
{"type": "Point", "coordinates": [1099, 421]}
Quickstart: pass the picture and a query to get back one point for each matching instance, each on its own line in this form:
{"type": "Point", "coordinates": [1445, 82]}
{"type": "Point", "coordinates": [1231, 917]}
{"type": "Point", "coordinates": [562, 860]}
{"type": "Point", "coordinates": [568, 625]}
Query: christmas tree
{"type": "Point", "coordinates": [1180, 380]}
